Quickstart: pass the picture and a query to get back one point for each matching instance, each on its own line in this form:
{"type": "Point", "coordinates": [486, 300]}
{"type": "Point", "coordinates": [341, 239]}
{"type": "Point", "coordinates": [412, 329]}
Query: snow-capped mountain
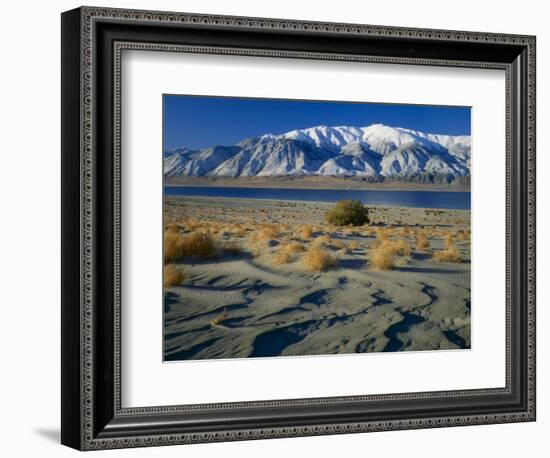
{"type": "Point", "coordinates": [373, 151]}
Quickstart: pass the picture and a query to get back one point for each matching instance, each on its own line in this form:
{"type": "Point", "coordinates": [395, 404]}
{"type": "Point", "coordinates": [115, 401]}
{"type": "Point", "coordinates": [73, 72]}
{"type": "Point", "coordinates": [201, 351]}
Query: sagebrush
{"type": "Point", "coordinates": [348, 212]}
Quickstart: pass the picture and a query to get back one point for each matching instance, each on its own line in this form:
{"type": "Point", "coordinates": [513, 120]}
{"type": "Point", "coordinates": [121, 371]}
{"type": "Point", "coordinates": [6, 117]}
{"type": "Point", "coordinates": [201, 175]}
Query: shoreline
{"type": "Point", "coordinates": [253, 201]}
{"type": "Point", "coordinates": [320, 183]}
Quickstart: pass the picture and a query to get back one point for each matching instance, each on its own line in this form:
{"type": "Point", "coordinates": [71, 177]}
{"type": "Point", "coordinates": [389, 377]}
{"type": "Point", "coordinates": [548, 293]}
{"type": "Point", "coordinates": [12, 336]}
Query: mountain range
{"type": "Point", "coordinates": [375, 151]}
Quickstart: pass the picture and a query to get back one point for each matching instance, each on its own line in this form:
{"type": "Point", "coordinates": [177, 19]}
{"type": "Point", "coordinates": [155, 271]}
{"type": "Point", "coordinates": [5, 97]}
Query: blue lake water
{"type": "Point", "coordinates": [418, 199]}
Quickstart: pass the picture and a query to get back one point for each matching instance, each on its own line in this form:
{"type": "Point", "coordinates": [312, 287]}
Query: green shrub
{"type": "Point", "coordinates": [348, 212]}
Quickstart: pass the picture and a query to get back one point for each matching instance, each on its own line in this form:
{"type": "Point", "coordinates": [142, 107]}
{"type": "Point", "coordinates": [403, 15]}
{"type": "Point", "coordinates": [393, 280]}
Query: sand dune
{"type": "Point", "coordinates": [243, 304]}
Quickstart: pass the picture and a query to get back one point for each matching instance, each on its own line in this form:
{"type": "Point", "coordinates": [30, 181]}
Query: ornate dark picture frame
{"type": "Point", "coordinates": [92, 42]}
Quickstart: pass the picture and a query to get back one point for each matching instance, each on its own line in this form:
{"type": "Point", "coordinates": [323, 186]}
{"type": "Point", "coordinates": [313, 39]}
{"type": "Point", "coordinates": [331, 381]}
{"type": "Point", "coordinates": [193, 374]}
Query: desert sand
{"type": "Point", "coordinates": [258, 297]}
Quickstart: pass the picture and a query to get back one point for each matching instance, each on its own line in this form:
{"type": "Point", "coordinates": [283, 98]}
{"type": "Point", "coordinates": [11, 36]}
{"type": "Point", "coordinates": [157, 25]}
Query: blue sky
{"type": "Point", "coordinates": [202, 121]}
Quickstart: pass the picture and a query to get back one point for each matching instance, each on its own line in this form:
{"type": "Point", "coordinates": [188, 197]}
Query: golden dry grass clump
{"type": "Point", "coordinates": [286, 252]}
{"type": "Point", "coordinates": [354, 245]}
{"type": "Point", "coordinates": [172, 245]}
{"type": "Point", "coordinates": [305, 232]}
{"type": "Point", "coordinates": [265, 233]}
{"type": "Point", "coordinates": [177, 246]}
{"type": "Point", "coordinates": [318, 259]}
{"type": "Point", "coordinates": [449, 239]}
{"type": "Point", "coordinates": [174, 226]}
{"type": "Point", "coordinates": [282, 257]}
{"type": "Point", "coordinates": [383, 233]}
{"type": "Point", "coordinates": [463, 234]}
{"type": "Point", "coordinates": [284, 227]}
{"type": "Point", "coordinates": [199, 244]}
{"type": "Point", "coordinates": [449, 254]}
{"type": "Point", "coordinates": [269, 232]}
{"type": "Point", "coordinates": [173, 275]}
{"type": "Point", "coordinates": [238, 230]}
{"type": "Point", "coordinates": [382, 257]}
{"type": "Point", "coordinates": [322, 239]}
{"type": "Point", "coordinates": [400, 247]}
{"type": "Point", "coordinates": [192, 225]}
{"type": "Point", "coordinates": [422, 242]}
{"type": "Point", "coordinates": [256, 248]}
{"type": "Point", "coordinates": [294, 248]}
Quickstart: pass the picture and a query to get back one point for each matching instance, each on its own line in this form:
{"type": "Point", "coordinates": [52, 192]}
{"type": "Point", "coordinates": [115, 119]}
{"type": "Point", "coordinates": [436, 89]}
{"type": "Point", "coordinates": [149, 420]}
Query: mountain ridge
{"type": "Point", "coordinates": [376, 151]}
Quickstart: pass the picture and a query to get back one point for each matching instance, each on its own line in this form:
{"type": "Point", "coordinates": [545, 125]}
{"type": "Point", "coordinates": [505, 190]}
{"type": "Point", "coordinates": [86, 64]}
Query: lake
{"type": "Point", "coordinates": [418, 199]}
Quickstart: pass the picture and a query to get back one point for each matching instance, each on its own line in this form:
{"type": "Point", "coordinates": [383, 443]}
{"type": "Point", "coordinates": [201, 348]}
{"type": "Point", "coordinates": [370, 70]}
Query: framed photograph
{"type": "Point", "coordinates": [277, 228]}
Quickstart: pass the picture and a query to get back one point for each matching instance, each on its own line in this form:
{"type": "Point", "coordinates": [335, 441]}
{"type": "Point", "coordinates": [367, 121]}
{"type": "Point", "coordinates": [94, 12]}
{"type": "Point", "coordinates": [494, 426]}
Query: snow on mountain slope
{"type": "Point", "coordinates": [375, 150]}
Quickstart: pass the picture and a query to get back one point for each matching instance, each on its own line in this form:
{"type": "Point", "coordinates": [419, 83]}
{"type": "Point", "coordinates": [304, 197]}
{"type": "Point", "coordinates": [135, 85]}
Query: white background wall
{"type": "Point", "coordinates": [30, 214]}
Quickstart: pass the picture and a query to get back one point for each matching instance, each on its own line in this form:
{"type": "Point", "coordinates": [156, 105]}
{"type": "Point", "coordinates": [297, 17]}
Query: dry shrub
{"type": "Point", "coordinates": [212, 229]}
{"type": "Point", "coordinates": [173, 250]}
{"type": "Point", "coordinates": [257, 249]}
{"type": "Point", "coordinates": [405, 231]}
{"type": "Point", "coordinates": [376, 243]}
{"type": "Point", "coordinates": [282, 257]}
{"type": "Point", "coordinates": [265, 233]}
{"type": "Point", "coordinates": [383, 233]}
{"type": "Point", "coordinates": [348, 212]}
{"type": "Point", "coordinates": [450, 254]}
{"type": "Point", "coordinates": [294, 248]}
{"type": "Point", "coordinates": [269, 232]}
{"type": "Point", "coordinates": [322, 239]}
{"type": "Point", "coordinates": [284, 227]}
{"type": "Point", "coordinates": [317, 259]}
{"type": "Point", "coordinates": [463, 235]}
{"type": "Point", "coordinates": [422, 242]}
{"type": "Point", "coordinates": [223, 231]}
{"type": "Point", "coordinates": [449, 239]}
{"type": "Point", "coordinates": [173, 226]}
{"type": "Point", "coordinates": [173, 275]}
{"type": "Point", "coordinates": [192, 225]}
{"type": "Point", "coordinates": [382, 257]}
{"type": "Point", "coordinates": [401, 247]}
{"type": "Point", "coordinates": [287, 252]}
{"type": "Point", "coordinates": [305, 232]}
{"type": "Point", "coordinates": [253, 237]}
{"type": "Point", "coordinates": [198, 244]}
{"type": "Point", "coordinates": [382, 254]}
{"type": "Point", "coordinates": [238, 230]}
{"type": "Point", "coordinates": [354, 245]}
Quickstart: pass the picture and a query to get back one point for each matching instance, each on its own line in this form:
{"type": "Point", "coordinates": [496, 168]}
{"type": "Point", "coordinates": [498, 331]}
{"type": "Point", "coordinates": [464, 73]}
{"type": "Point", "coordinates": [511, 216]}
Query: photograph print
{"type": "Point", "coordinates": [306, 227]}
